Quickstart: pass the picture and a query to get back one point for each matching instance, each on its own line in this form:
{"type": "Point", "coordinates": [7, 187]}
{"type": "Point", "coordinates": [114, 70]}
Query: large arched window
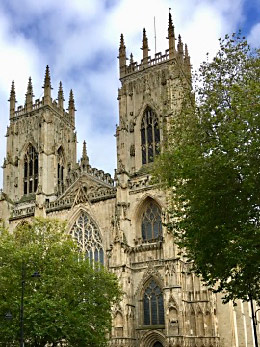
{"type": "Point", "coordinates": [87, 235]}
{"type": "Point", "coordinates": [151, 222]}
{"type": "Point", "coordinates": [60, 170]}
{"type": "Point", "coordinates": [31, 169]}
{"type": "Point", "coordinates": [150, 136]}
{"type": "Point", "coordinates": [153, 304]}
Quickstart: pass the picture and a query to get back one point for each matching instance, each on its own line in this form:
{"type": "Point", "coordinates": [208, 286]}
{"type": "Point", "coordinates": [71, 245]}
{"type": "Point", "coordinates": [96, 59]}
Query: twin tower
{"type": "Point", "coordinates": [164, 303]}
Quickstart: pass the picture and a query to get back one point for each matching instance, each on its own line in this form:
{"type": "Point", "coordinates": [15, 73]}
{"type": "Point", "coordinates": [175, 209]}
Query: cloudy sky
{"type": "Point", "coordinates": [79, 40]}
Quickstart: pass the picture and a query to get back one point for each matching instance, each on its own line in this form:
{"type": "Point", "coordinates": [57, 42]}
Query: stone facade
{"type": "Point", "coordinates": [120, 221]}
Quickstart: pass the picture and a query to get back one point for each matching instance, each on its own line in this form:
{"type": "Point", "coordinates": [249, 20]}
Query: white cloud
{"type": "Point", "coordinates": [74, 37]}
{"type": "Point", "coordinates": [254, 36]}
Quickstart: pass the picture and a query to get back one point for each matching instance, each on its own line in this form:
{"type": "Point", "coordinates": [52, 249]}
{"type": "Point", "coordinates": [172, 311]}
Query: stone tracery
{"type": "Point", "coordinates": [87, 235]}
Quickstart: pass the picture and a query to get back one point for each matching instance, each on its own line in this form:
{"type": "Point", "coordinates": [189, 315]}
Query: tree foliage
{"type": "Point", "coordinates": [70, 302]}
{"type": "Point", "coordinates": [212, 165]}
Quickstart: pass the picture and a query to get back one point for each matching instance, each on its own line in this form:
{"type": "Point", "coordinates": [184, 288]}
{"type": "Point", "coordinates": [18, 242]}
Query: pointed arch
{"type": "Point", "coordinates": [86, 232]}
{"type": "Point", "coordinates": [60, 169]}
{"type": "Point", "coordinates": [151, 338]}
{"type": "Point", "coordinates": [30, 170]}
{"type": "Point", "coordinates": [151, 221]}
{"type": "Point", "coordinates": [150, 135]}
{"type": "Point", "coordinates": [118, 324]}
{"type": "Point", "coordinates": [153, 303]}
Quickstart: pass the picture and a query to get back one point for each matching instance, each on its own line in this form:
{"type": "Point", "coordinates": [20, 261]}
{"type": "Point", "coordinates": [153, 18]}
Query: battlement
{"type": "Point", "coordinates": [29, 107]}
{"type": "Point", "coordinates": [179, 54]}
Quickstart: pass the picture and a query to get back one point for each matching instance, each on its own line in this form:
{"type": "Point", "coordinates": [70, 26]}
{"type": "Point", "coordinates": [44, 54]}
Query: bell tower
{"type": "Point", "coordinates": [150, 93]}
{"type": "Point", "coordinates": [41, 144]}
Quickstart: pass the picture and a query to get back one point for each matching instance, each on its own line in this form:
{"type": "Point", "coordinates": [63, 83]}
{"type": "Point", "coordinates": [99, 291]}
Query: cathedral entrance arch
{"type": "Point", "coordinates": [153, 338]}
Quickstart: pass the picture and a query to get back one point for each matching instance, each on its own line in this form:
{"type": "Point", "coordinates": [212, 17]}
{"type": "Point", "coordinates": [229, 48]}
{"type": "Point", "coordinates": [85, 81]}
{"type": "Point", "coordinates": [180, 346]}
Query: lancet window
{"type": "Point", "coordinates": [153, 307]}
{"type": "Point", "coordinates": [60, 170]}
{"type": "Point", "coordinates": [151, 222]}
{"type": "Point", "coordinates": [86, 233]}
{"type": "Point", "coordinates": [31, 169]}
{"type": "Point", "coordinates": [150, 136]}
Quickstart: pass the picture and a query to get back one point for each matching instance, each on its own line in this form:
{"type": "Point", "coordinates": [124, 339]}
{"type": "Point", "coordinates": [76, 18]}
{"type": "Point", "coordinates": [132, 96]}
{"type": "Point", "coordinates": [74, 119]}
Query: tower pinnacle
{"type": "Point", "coordinates": [71, 107]}
{"type": "Point", "coordinates": [61, 97]}
{"type": "Point", "coordinates": [180, 48]}
{"type": "Point", "coordinates": [122, 56]}
{"type": "Point", "coordinates": [29, 96]}
{"type": "Point", "coordinates": [145, 48]}
{"type": "Point", "coordinates": [47, 86]}
{"type": "Point", "coordinates": [171, 37]}
{"type": "Point", "coordinates": [12, 100]}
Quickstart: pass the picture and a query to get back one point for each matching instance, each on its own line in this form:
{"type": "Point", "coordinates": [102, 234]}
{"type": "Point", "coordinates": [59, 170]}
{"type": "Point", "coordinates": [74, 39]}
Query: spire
{"type": "Point", "coordinates": [47, 86]}
{"type": "Point", "coordinates": [180, 48]}
{"type": "Point", "coordinates": [29, 96]}
{"type": "Point", "coordinates": [145, 48]}
{"type": "Point", "coordinates": [122, 56]}
{"type": "Point", "coordinates": [12, 101]}
{"type": "Point", "coordinates": [71, 107]}
{"type": "Point", "coordinates": [84, 159]}
{"type": "Point", "coordinates": [171, 37]}
{"type": "Point", "coordinates": [60, 97]}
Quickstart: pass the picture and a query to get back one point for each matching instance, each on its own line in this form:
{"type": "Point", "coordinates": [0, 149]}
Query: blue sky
{"type": "Point", "coordinates": [79, 40]}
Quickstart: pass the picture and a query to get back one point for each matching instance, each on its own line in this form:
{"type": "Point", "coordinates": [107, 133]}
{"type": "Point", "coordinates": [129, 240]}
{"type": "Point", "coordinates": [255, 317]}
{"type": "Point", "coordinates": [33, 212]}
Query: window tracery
{"type": "Point", "coordinates": [150, 136]}
{"type": "Point", "coordinates": [87, 235]}
{"type": "Point", "coordinates": [153, 307]}
{"type": "Point", "coordinates": [151, 222]}
{"type": "Point", "coordinates": [31, 169]}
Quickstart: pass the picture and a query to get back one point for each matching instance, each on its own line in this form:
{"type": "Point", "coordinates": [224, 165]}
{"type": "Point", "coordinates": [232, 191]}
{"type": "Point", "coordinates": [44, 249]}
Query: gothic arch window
{"type": "Point", "coordinates": [150, 136]}
{"type": "Point", "coordinates": [60, 170]}
{"type": "Point", "coordinates": [151, 222]}
{"type": "Point", "coordinates": [31, 170]}
{"type": "Point", "coordinates": [153, 307]}
{"type": "Point", "coordinates": [86, 233]}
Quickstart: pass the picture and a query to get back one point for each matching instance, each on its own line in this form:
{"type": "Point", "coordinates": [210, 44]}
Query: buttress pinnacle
{"type": "Point", "coordinates": [84, 159]}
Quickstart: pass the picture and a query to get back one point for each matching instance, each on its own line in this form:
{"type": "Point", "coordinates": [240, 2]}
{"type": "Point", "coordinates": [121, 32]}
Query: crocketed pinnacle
{"type": "Point", "coordinates": [145, 41]}
{"type": "Point", "coordinates": [12, 101]}
{"type": "Point", "coordinates": [71, 101]}
{"type": "Point", "coordinates": [180, 45]}
{"type": "Point", "coordinates": [60, 96]}
{"type": "Point", "coordinates": [131, 59]}
{"type": "Point", "coordinates": [60, 92]}
{"type": "Point", "coordinates": [47, 78]}
{"type": "Point", "coordinates": [12, 93]}
{"type": "Point", "coordinates": [170, 27]}
{"type": "Point", "coordinates": [122, 43]}
{"type": "Point", "coordinates": [85, 158]}
{"type": "Point", "coordinates": [29, 95]}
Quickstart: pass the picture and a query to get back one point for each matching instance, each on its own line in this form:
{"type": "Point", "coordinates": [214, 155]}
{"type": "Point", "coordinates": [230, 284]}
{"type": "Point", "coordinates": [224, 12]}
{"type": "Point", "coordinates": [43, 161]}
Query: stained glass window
{"type": "Point", "coordinates": [153, 305]}
{"type": "Point", "coordinates": [30, 181]}
{"type": "Point", "coordinates": [150, 136]}
{"type": "Point", "coordinates": [151, 222]}
{"type": "Point", "coordinates": [86, 233]}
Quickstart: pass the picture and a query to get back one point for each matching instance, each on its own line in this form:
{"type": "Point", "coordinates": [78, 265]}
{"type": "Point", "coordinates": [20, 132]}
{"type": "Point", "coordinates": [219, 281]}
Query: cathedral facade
{"type": "Point", "coordinates": [119, 221]}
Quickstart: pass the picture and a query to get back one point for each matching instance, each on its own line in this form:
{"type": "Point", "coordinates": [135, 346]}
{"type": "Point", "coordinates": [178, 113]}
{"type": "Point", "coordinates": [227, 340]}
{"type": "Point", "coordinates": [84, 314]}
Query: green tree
{"type": "Point", "coordinates": [211, 162]}
{"type": "Point", "coordinates": [70, 301]}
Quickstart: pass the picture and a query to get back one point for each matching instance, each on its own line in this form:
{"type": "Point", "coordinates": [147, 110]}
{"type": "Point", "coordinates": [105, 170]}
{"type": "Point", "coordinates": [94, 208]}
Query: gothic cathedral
{"type": "Point", "coordinates": [119, 221]}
